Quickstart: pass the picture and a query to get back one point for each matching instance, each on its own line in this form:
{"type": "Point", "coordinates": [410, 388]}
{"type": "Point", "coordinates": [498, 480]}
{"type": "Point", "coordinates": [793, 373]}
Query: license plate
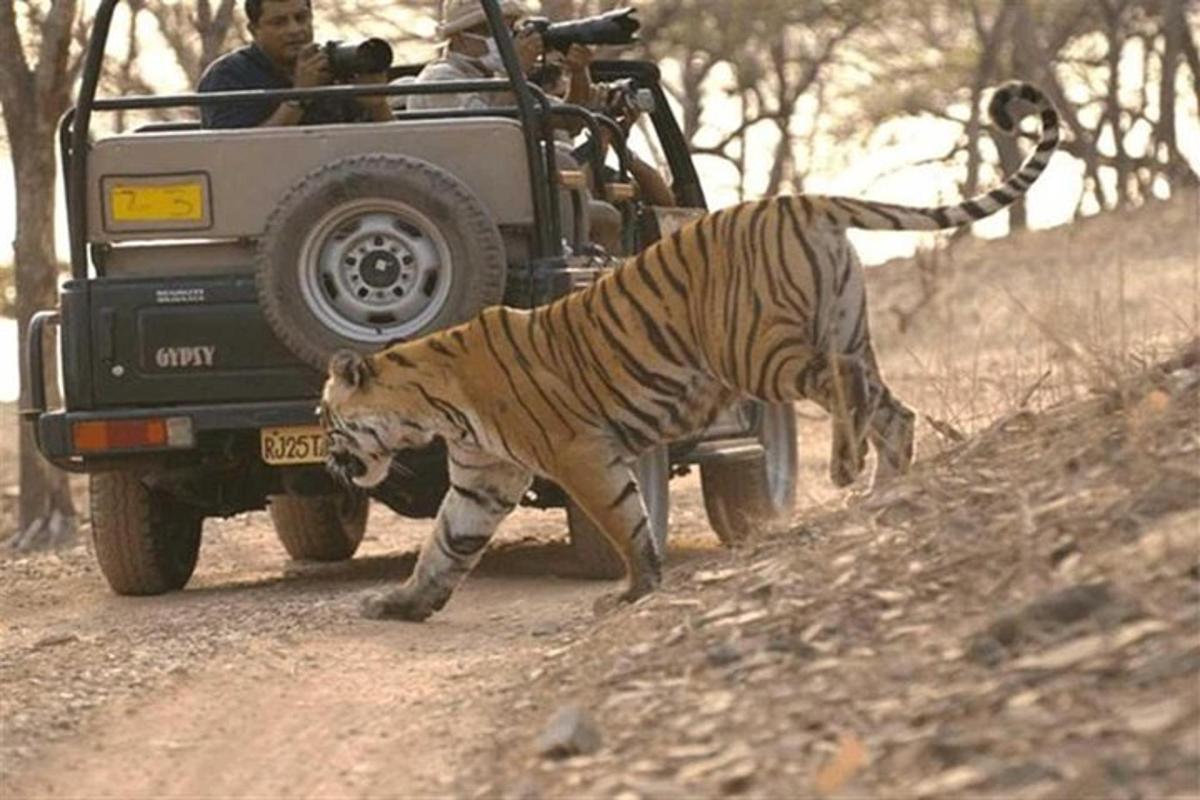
{"type": "Point", "coordinates": [164, 202]}
{"type": "Point", "coordinates": [299, 444]}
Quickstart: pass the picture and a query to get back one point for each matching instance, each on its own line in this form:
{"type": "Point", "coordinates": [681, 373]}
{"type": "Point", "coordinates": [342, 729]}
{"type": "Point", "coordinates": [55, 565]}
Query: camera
{"type": "Point", "coordinates": [363, 57]}
{"type": "Point", "coordinates": [626, 100]}
{"type": "Point", "coordinates": [613, 27]}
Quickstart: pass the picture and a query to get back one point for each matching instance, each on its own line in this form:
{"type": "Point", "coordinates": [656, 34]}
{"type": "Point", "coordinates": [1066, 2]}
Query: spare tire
{"type": "Point", "coordinates": [373, 248]}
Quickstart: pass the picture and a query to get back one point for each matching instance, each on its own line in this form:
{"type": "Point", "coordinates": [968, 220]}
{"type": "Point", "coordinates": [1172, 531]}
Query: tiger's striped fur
{"type": "Point", "coordinates": [765, 300]}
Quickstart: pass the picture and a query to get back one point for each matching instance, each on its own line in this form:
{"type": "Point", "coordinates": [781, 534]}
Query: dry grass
{"type": "Point", "coordinates": [1089, 304]}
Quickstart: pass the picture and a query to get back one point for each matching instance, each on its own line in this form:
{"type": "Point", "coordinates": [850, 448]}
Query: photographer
{"type": "Point", "coordinates": [283, 56]}
{"type": "Point", "coordinates": [617, 100]}
{"type": "Point", "coordinates": [470, 54]}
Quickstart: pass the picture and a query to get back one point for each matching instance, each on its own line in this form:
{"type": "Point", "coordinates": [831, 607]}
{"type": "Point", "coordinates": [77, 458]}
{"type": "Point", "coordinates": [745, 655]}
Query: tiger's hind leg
{"type": "Point", "coordinates": [483, 491]}
{"type": "Point", "coordinates": [841, 385]}
{"type": "Point", "coordinates": [615, 505]}
{"type": "Point", "coordinates": [893, 427]}
{"type": "Point", "coordinates": [863, 410]}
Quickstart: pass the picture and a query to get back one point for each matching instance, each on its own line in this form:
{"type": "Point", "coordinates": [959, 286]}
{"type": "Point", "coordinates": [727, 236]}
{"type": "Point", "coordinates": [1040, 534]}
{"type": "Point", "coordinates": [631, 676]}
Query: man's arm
{"type": "Point", "coordinates": [655, 189]}
{"type": "Point", "coordinates": [246, 114]}
{"type": "Point", "coordinates": [581, 91]}
{"type": "Point", "coordinates": [376, 107]}
{"type": "Point", "coordinates": [289, 112]}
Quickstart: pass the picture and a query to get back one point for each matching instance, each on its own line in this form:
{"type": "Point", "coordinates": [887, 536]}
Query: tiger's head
{"type": "Point", "coordinates": [364, 421]}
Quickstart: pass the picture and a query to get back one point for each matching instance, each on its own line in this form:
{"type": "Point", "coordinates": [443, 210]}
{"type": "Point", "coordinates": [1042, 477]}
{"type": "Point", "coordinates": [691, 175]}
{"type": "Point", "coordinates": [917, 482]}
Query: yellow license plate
{"type": "Point", "coordinates": [299, 444]}
{"type": "Point", "coordinates": [165, 202]}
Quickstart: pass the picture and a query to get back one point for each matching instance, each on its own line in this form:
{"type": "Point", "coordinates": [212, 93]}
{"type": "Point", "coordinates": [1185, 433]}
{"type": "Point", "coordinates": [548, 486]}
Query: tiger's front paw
{"type": "Point", "coordinates": [607, 603]}
{"type": "Point", "coordinates": [400, 605]}
{"type": "Point", "coordinates": [611, 602]}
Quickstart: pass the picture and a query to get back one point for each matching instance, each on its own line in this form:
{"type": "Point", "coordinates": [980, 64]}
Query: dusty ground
{"type": "Point", "coordinates": [1019, 618]}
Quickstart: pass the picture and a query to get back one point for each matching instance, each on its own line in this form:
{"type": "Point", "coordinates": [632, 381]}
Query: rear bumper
{"type": "Point", "coordinates": [53, 428]}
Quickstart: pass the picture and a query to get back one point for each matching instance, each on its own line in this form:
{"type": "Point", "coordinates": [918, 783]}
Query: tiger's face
{"type": "Point", "coordinates": [363, 430]}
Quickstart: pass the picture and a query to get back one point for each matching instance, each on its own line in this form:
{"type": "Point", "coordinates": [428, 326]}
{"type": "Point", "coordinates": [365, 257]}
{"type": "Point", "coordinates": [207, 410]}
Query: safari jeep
{"type": "Point", "coordinates": [189, 390]}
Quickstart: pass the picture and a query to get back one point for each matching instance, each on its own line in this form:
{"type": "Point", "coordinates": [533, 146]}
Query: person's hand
{"type": "Point", "coordinates": [312, 68]}
{"type": "Point", "coordinates": [578, 59]}
{"type": "Point", "coordinates": [529, 49]}
{"type": "Point", "coordinates": [376, 104]}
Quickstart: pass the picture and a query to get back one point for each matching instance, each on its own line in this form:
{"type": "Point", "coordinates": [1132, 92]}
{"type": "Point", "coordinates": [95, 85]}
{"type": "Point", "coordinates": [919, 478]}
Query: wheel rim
{"type": "Point", "coordinates": [375, 270]}
{"type": "Point", "coordinates": [777, 435]}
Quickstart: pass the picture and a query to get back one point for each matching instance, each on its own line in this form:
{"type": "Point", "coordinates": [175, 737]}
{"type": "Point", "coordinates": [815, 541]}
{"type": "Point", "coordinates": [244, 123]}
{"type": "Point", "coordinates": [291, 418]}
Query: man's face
{"type": "Point", "coordinates": [471, 41]}
{"type": "Point", "coordinates": [284, 28]}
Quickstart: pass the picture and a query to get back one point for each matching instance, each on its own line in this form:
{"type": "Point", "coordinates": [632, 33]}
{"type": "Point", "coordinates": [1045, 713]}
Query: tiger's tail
{"type": "Point", "coordinates": [1010, 103]}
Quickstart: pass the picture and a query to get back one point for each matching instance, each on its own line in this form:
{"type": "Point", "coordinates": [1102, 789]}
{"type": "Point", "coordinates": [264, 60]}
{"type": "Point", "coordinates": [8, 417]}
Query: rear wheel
{"type": "Point", "coordinates": [592, 550]}
{"type": "Point", "coordinates": [146, 541]}
{"type": "Point", "coordinates": [745, 495]}
{"type": "Point", "coordinates": [326, 527]}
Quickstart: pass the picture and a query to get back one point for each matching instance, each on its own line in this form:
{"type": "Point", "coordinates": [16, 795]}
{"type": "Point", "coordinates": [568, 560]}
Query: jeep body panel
{"type": "Point", "coordinates": [487, 154]}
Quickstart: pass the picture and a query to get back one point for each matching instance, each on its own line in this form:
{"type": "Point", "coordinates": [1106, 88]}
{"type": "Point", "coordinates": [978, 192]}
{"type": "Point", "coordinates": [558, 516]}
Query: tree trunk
{"type": "Point", "coordinates": [46, 511]}
{"type": "Point", "coordinates": [1030, 58]}
{"type": "Point", "coordinates": [1113, 31]}
{"type": "Point", "coordinates": [1175, 34]}
{"type": "Point", "coordinates": [34, 97]}
{"type": "Point", "coordinates": [1010, 162]}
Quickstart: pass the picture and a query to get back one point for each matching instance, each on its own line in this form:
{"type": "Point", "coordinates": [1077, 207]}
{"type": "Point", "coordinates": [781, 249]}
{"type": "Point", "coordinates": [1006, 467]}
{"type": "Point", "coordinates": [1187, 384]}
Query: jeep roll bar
{"type": "Point", "coordinates": [532, 111]}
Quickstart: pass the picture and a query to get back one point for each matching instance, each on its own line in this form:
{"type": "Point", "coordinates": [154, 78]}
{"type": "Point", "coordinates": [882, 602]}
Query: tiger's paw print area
{"type": "Point", "coordinates": [1015, 616]}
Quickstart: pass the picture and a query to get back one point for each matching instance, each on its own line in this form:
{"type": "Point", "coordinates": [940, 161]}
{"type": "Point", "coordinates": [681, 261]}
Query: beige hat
{"type": "Point", "coordinates": [461, 15]}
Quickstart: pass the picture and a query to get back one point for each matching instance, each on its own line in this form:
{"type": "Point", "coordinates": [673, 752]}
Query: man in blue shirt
{"type": "Point", "coordinates": [282, 56]}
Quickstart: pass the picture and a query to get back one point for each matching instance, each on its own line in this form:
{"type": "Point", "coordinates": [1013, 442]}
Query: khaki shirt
{"type": "Point", "coordinates": [457, 67]}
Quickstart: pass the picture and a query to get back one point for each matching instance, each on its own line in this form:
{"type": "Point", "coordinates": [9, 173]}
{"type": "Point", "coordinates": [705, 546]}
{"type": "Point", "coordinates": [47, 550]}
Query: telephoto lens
{"type": "Point", "coordinates": [363, 57]}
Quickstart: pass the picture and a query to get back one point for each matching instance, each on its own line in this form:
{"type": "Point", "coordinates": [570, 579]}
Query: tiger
{"type": "Point", "coordinates": [763, 300]}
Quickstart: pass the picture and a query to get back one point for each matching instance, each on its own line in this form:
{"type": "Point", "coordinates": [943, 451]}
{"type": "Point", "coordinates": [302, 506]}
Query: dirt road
{"type": "Point", "coordinates": [262, 680]}
{"type": "Point", "coordinates": [257, 681]}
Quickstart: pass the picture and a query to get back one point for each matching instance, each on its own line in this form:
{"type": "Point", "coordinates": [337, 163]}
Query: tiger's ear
{"type": "Point", "coordinates": [351, 368]}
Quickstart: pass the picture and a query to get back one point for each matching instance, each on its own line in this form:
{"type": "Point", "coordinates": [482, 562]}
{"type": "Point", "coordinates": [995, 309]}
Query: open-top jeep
{"type": "Point", "coordinates": [213, 272]}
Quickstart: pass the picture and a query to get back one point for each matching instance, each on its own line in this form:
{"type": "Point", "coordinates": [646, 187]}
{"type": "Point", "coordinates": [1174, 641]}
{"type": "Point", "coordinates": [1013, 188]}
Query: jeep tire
{"type": "Point", "coordinates": [371, 249]}
{"type": "Point", "coordinates": [146, 541]}
{"type": "Point", "coordinates": [594, 555]}
{"type": "Point", "coordinates": [745, 495]}
{"type": "Point", "coordinates": [326, 527]}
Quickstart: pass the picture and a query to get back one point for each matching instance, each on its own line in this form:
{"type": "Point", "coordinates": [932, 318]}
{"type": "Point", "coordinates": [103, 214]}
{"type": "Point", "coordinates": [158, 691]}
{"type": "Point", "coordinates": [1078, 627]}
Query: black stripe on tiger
{"type": "Point", "coordinates": [650, 326]}
{"type": "Point", "coordinates": [647, 278]}
{"type": "Point", "coordinates": [455, 416]}
{"type": "Point", "coordinates": [527, 367]}
{"type": "Point", "coordinates": [631, 363]}
{"type": "Point", "coordinates": [668, 270]}
{"type": "Point", "coordinates": [488, 500]}
{"type": "Point", "coordinates": [814, 266]}
{"type": "Point", "coordinates": [635, 443]}
{"type": "Point", "coordinates": [630, 490]}
{"type": "Point", "coordinates": [603, 289]}
{"type": "Point", "coordinates": [398, 359]}
{"type": "Point", "coordinates": [456, 548]}
{"type": "Point", "coordinates": [1001, 196]}
{"type": "Point", "coordinates": [512, 383]}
